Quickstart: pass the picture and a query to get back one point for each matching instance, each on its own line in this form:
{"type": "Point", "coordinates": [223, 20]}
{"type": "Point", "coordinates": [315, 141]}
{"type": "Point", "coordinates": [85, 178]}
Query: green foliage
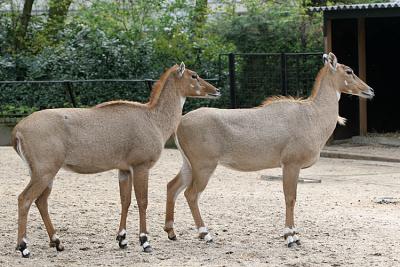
{"type": "Point", "coordinates": [139, 39]}
{"type": "Point", "coordinates": [10, 110]}
{"type": "Point", "coordinates": [107, 41]}
{"type": "Point", "coordinates": [270, 27]}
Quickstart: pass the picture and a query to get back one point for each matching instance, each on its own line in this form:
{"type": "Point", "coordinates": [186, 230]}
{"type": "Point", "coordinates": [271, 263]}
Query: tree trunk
{"type": "Point", "coordinates": [20, 36]}
{"type": "Point", "coordinates": [23, 25]}
{"type": "Point", "coordinates": [58, 10]}
{"type": "Point", "coordinates": [200, 15]}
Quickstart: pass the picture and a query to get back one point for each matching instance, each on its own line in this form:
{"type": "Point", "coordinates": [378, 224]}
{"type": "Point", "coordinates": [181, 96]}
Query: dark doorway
{"type": "Point", "coordinates": [383, 73]}
{"type": "Point", "coordinates": [345, 47]}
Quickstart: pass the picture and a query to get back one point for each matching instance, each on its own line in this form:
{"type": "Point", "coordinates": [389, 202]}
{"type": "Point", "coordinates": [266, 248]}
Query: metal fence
{"type": "Point", "coordinates": [252, 77]}
{"type": "Point", "coordinates": [244, 79]}
{"type": "Point", "coordinates": [20, 98]}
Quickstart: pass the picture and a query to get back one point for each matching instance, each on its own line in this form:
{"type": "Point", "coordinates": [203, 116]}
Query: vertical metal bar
{"type": "Point", "coordinates": [299, 91]}
{"type": "Point", "coordinates": [70, 91]}
{"type": "Point", "coordinates": [283, 74]}
{"type": "Point", "coordinates": [232, 79]}
{"type": "Point", "coordinates": [219, 70]}
{"type": "Point", "coordinates": [149, 84]}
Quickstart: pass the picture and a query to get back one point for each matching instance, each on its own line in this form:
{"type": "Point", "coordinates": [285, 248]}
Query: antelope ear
{"type": "Point", "coordinates": [331, 60]}
{"type": "Point", "coordinates": [181, 69]}
{"type": "Point", "coordinates": [325, 59]}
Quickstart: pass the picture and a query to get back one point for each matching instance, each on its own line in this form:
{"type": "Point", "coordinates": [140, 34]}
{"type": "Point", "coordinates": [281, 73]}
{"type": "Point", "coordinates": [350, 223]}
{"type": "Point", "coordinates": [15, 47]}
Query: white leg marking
{"type": "Point", "coordinates": [145, 245]}
{"type": "Point", "coordinates": [25, 241]}
{"type": "Point", "coordinates": [203, 230]}
{"type": "Point", "coordinates": [25, 252]}
{"type": "Point", "coordinates": [124, 242]}
{"type": "Point", "coordinates": [289, 231]}
{"type": "Point", "coordinates": [208, 237]}
{"type": "Point", "coordinates": [123, 232]}
{"type": "Point", "coordinates": [142, 234]}
{"type": "Point", "coordinates": [295, 238]}
{"type": "Point", "coordinates": [54, 238]}
{"type": "Point", "coordinates": [289, 240]}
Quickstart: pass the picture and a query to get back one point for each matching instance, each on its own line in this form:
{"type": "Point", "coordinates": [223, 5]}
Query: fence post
{"type": "Point", "coordinates": [149, 83]}
{"type": "Point", "coordinates": [284, 74]}
{"type": "Point", "coordinates": [68, 85]}
{"type": "Point", "coordinates": [232, 79]}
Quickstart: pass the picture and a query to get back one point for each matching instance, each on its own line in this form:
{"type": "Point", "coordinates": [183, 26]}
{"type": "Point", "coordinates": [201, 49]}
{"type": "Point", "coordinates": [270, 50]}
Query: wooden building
{"type": "Point", "coordinates": [366, 37]}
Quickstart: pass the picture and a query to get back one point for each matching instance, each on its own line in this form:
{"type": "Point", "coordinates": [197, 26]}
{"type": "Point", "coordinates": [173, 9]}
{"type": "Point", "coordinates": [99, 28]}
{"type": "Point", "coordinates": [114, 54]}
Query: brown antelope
{"type": "Point", "coordinates": [283, 132]}
{"type": "Point", "coordinates": [123, 135]}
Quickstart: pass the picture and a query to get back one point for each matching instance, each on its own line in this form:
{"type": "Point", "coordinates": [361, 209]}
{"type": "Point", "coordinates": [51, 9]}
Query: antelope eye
{"type": "Point", "coordinates": [194, 76]}
{"type": "Point", "coordinates": [349, 72]}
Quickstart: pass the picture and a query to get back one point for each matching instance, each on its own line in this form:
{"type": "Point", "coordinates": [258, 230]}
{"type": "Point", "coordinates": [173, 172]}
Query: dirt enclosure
{"type": "Point", "coordinates": [340, 222]}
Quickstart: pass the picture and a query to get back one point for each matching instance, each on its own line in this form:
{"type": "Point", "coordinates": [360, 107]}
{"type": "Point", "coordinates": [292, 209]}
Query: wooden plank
{"type": "Point", "coordinates": [328, 36]}
{"type": "Point", "coordinates": [362, 73]}
{"type": "Point", "coordinates": [328, 48]}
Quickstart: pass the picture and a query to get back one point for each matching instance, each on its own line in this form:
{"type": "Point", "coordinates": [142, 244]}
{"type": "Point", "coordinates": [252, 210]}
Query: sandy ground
{"type": "Point", "coordinates": [340, 223]}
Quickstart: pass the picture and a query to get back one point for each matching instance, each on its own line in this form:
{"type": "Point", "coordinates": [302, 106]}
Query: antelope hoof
{"type": "Point", "coordinates": [55, 242]}
{"type": "Point", "coordinates": [122, 241]}
{"type": "Point", "coordinates": [147, 249]}
{"type": "Point", "coordinates": [292, 241]}
{"type": "Point", "coordinates": [23, 248]}
{"type": "Point", "coordinates": [144, 243]}
{"type": "Point", "coordinates": [171, 233]}
{"type": "Point", "coordinates": [207, 237]}
{"type": "Point", "coordinates": [172, 237]}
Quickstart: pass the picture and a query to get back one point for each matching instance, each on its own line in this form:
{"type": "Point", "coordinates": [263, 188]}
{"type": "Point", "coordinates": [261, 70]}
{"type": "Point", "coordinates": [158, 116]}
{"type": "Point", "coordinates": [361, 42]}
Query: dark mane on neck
{"type": "Point", "coordinates": [314, 92]}
{"type": "Point", "coordinates": [154, 95]}
{"type": "Point", "coordinates": [317, 83]}
{"type": "Point", "coordinates": [159, 85]}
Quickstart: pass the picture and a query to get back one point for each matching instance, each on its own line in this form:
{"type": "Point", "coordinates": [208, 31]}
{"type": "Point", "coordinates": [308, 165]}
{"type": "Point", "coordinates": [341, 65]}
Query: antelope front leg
{"type": "Point", "coordinates": [125, 191]}
{"type": "Point", "coordinates": [140, 184]}
{"type": "Point", "coordinates": [290, 177]}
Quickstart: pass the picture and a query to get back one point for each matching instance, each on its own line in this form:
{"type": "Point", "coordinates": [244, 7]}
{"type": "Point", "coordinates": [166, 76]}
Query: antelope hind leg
{"type": "Point", "coordinates": [125, 190]}
{"type": "Point", "coordinates": [290, 177]}
{"type": "Point", "coordinates": [32, 191]}
{"type": "Point", "coordinates": [199, 182]}
{"type": "Point", "coordinates": [42, 205]}
{"type": "Point", "coordinates": [174, 188]}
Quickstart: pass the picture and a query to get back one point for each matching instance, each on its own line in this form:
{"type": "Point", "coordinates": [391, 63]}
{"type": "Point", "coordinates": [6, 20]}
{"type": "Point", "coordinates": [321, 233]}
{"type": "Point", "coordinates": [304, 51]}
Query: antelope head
{"type": "Point", "coordinates": [193, 86]}
{"type": "Point", "coordinates": [348, 82]}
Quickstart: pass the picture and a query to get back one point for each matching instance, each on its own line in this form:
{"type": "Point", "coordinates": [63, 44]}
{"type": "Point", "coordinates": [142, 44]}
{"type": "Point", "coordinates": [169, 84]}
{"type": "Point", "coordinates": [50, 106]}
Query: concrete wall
{"type": "Point", "coordinates": [6, 126]}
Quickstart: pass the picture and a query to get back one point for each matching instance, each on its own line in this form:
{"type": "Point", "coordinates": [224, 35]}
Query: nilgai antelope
{"type": "Point", "coordinates": [123, 135]}
{"type": "Point", "coordinates": [283, 132]}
